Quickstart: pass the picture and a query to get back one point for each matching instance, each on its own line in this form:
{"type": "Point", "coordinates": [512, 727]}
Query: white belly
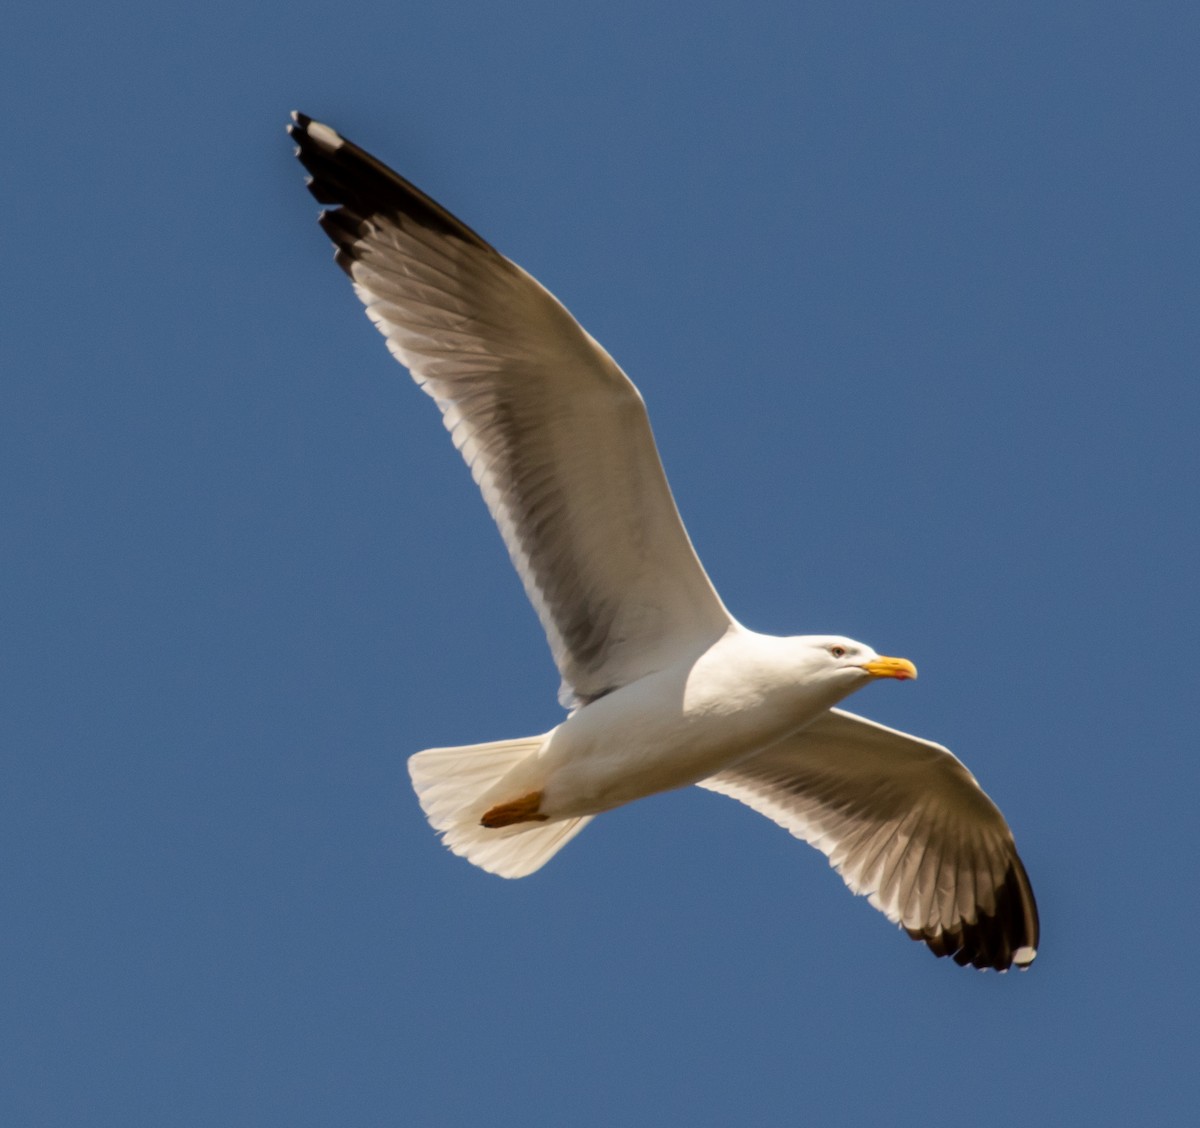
{"type": "Point", "coordinates": [676, 727]}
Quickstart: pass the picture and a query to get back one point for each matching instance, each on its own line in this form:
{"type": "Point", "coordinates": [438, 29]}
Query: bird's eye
{"type": "Point", "coordinates": [838, 651]}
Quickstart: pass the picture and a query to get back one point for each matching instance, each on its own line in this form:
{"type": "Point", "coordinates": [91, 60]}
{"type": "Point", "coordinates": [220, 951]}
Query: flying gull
{"type": "Point", "coordinates": [664, 687]}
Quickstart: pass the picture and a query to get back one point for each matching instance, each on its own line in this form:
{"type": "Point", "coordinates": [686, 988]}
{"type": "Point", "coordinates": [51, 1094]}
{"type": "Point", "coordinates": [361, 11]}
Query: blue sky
{"type": "Point", "coordinates": [912, 294]}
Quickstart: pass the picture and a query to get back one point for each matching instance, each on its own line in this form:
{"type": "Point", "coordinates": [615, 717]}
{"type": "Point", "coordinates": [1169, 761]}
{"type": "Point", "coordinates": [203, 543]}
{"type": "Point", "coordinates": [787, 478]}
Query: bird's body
{"type": "Point", "coordinates": [665, 688]}
{"type": "Point", "coordinates": [682, 724]}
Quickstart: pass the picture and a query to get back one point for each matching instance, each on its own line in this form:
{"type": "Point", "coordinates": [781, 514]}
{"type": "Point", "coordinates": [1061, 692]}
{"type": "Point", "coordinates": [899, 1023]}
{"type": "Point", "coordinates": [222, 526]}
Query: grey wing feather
{"type": "Point", "coordinates": [554, 433]}
{"type": "Point", "coordinates": [905, 823]}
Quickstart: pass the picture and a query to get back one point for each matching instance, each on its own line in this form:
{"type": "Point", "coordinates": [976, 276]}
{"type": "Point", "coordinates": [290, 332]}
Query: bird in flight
{"type": "Point", "coordinates": [664, 687]}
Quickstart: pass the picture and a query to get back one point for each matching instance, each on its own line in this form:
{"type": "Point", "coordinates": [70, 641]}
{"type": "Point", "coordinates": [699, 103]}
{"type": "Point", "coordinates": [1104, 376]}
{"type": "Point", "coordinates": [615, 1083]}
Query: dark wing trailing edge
{"type": "Point", "coordinates": [555, 434]}
{"type": "Point", "coordinates": [906, 825]}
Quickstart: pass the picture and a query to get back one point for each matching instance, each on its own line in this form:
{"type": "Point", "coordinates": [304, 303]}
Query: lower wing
{"type": "Point", "coordinates": [906, 825]}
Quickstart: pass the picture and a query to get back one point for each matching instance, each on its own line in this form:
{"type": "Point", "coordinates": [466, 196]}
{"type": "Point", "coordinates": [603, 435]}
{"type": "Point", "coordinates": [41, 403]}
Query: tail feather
{"type": "Point", "coordinates": [452, 783]}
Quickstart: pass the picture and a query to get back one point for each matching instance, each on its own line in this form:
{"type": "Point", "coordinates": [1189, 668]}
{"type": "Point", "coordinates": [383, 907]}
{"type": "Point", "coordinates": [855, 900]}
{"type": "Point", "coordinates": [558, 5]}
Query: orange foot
{"type": "Point", "coordinates": [520, 810]}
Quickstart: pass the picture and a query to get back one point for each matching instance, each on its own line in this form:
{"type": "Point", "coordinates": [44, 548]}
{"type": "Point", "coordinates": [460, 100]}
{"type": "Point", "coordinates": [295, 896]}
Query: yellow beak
{"type": "Point", "coordinates": [900, 668]}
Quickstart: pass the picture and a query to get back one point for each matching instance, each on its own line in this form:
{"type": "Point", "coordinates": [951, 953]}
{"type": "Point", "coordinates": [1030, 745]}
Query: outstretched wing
{"type": "Point", "coordinates": [555, 434]}
{"type": "Point", "coordinates": [905, 824]}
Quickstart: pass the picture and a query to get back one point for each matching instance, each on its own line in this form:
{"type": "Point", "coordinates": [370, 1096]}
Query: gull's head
{"type": "Point", "coordinates": [844, 659]}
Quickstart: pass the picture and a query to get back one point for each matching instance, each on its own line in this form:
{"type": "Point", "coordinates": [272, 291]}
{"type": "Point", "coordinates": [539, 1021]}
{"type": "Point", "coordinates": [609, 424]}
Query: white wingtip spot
{"type": "Point", "coordinates": [1024, 956]}
{"type": "Point", "coordinates": [324, 136]}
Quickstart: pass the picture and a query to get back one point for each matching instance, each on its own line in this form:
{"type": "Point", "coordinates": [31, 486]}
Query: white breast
{"type": "Point", "coordinates": [680, 725]}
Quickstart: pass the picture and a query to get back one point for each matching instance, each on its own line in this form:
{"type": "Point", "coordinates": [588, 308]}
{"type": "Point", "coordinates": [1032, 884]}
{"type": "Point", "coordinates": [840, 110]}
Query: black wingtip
{"type": "Point", "coordinates": [298, 125]}
{"type": "Point", "coordinates": [1004, 938]}
{"type": "Point", "coordinates": [360, 186]}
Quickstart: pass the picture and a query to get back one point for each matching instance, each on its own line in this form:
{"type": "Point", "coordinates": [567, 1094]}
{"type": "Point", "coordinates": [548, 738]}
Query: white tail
{"type": "Point", "coordinates": [451, 784]}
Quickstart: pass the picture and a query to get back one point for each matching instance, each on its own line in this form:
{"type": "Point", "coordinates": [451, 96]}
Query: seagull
{"type": "Point", "coordinates": [664, 688]}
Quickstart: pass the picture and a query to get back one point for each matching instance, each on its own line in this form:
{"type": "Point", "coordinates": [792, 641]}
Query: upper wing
{"type": "Point", "coordinates": [555, 434]}
{"type": "Point", "coordinates": [905, 823]}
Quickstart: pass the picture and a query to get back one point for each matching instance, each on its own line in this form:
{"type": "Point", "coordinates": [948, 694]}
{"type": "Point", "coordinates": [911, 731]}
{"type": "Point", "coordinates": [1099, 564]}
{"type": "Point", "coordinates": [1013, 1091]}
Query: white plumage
{"type": "Point", "coordinates": [665, 688]}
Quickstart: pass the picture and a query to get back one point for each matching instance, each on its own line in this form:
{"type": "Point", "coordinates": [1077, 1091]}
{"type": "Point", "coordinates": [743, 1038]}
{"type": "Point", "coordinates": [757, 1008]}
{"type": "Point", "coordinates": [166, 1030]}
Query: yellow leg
{"type": "Point", "coordinates": [520, 810]}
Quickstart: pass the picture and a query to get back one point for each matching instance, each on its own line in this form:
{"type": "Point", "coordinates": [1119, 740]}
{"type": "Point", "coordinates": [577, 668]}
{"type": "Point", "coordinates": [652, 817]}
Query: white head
{"type": "Point", "coordinates": [853, 663]}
